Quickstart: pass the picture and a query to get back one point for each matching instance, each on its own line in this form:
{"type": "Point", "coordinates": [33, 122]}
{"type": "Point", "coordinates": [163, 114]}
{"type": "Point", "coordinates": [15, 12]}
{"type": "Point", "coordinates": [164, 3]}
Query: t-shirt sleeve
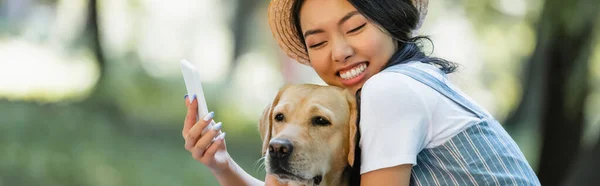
{"type": "Point", "coordinates": [394, 121]}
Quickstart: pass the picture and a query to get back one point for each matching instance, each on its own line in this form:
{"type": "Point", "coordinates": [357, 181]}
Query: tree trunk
{"type": "Point", "coordinates": [563, 53]}
{"type": "Point", "coordinates": [587, 169]}
{"type": "Point", "coordinates": [240, 27]}
{"type": "Point", "coordinates": [92, 35]}
{"type": "Point", "coordinates": [100, 100]}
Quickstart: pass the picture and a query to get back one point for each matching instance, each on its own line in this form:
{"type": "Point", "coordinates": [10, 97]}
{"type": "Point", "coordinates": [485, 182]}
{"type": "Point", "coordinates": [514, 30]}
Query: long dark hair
{"type": "Point", "coordinates": [396, 17]}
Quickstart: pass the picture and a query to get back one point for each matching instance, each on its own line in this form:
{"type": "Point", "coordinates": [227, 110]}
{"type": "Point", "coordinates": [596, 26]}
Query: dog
{"type": "Point", "coordinates": [308, 135]}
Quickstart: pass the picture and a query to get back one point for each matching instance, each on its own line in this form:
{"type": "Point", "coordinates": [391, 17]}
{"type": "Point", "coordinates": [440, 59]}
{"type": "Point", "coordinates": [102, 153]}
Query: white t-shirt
{"type": "Point", "coordinates": [401, 116]}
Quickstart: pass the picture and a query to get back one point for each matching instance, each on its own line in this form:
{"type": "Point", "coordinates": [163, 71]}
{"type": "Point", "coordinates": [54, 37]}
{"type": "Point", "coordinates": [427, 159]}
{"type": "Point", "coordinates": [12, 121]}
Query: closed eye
{"type": "Point", "coordinates": [317, 45]}
{"type": "Point", "coordinates": [356, 29]}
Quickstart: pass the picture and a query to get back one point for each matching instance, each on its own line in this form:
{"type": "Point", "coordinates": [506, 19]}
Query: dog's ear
{"type": "Point", "coordinates": [266, 122]}
{"type": "Point", "coordinates": [265, 128]}
{"type": "Point", "coordinates": [352, 106]}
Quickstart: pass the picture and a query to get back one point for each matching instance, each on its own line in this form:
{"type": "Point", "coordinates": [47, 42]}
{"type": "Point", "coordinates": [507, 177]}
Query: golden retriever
{"type": "Point", "coordinates": [308, 134]}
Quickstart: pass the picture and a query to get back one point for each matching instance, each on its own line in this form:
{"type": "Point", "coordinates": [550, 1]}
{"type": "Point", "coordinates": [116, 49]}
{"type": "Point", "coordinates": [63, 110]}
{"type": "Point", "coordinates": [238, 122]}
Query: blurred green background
{"type": "Point", "coordinates": [91, 91]}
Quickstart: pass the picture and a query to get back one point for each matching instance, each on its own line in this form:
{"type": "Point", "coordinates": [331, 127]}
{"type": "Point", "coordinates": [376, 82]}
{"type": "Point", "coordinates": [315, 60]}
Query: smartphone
{"type": "Point", "coordinates": [193, 84]}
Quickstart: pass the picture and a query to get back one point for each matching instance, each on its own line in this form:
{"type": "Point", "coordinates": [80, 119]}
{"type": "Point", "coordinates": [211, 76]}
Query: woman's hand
{"type": "Point", "coordinates": [212, 154]}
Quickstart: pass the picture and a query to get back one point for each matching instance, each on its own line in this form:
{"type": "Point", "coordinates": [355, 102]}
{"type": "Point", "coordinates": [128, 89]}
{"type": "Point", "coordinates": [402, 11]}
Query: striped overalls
{"type": "Point", "coordinates": [483, 154]}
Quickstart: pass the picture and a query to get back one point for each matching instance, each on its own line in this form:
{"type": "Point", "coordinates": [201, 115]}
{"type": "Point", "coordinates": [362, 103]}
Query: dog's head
{"type": "Point", "coordinates": [308, 133]}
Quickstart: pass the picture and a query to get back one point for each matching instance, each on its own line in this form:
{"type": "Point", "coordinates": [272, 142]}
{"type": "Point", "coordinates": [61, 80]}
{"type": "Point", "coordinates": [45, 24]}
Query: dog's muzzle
{"type": "Point", "coordinates": [280, 151]}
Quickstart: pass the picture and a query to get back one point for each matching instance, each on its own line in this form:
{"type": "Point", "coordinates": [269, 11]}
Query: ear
{"type": "Point", "coordinates": [266, 122]}
{"type": "Point", "coordinates": [265, 128]}
{"type": "Point", "coordinates": [353, 110]}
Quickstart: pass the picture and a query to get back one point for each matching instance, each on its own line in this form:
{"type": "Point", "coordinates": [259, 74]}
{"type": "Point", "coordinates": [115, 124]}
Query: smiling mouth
{"type": "Point", "coordinates": [353, 72]}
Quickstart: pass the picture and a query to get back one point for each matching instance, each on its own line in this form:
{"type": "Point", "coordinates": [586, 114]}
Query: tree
{"type": "Point", "coordinates": [587, 168]}
{"type": "Point", "coordinates": [557, 83]}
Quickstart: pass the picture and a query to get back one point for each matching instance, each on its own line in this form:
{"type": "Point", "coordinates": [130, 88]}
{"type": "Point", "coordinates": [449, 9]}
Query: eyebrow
{"type": "Point", "coordinates": [317, 108]}
{"type": "Point", "coordinates": [340, 22]}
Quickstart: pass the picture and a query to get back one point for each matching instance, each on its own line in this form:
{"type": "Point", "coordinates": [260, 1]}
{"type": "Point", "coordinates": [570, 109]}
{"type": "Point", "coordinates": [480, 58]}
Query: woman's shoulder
{"type": "Point", "coordinates": [388, 86]}
{"type": "Point", "coordinates": [386, 78]}
{"type": "Point", "coordinates": [392, 82]}
{"type": "Point", "coordinates": [421, 66]}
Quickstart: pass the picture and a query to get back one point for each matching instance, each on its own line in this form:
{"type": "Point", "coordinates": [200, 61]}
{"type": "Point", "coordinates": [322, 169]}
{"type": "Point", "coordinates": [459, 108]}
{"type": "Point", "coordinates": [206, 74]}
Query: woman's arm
{"type": "Point", "coordinates": [395, 123]}
{"type": "Point", "coordinates": [398, 175]}
{"type": "Point", "coordinates": [235, 175]}
{"type": "Point", "coordinates": [272, 181]}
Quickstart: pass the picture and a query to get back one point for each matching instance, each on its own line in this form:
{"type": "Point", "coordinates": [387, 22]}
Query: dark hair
{"type": "Point", "coordinates": [398, 18]}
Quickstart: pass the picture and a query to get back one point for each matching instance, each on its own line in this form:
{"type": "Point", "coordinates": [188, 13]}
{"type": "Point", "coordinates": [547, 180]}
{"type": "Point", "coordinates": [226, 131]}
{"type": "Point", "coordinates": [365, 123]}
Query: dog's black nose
{"type": "Point", "coordinates": [280, 148]}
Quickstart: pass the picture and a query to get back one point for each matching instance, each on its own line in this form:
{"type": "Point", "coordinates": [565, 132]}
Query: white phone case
{"type": "Point", "coordinates": [193, 85]}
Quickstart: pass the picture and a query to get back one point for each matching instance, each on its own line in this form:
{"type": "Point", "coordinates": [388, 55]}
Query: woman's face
{"type": "Point", "coordinates": [344, 48]}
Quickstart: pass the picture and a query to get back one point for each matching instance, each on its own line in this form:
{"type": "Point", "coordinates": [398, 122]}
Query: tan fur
{"type": "Point", "coordinates": [318, 150]}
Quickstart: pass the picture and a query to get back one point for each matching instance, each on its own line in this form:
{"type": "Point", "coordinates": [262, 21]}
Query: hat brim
{"type": "Point", "coordinates": [284, 30]}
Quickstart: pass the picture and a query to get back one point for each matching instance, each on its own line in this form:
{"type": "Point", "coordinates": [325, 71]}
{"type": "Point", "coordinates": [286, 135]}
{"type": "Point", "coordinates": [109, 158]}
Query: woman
{"type": "Point", "coordinates": [415, 127]}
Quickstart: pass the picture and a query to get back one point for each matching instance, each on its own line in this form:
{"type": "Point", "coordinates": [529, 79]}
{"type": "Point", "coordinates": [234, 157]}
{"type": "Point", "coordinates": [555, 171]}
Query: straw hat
{"type": "Point", "coordinates": [284, 30]}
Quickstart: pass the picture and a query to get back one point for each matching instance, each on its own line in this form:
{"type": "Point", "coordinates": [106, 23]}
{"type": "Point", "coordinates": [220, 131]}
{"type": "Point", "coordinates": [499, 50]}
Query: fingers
{"type": "Point", "coordinates": [196, 131]}
{"type": "Point", "coordinates": [190, 117]}
{"type": "Point", "coordinates": [212, 149]}
{"type": "Point", "coordinates": [200, 147]}
{"type": "Point", "coordinates": [185, 98]}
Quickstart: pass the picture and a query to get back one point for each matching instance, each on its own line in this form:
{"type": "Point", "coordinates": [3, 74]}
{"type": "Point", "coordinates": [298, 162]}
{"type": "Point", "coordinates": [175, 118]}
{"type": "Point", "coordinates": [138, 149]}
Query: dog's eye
{"type": "Point", "coordinates": [279, 117]}
{"type": "Point", "coordinates": [318, 120]}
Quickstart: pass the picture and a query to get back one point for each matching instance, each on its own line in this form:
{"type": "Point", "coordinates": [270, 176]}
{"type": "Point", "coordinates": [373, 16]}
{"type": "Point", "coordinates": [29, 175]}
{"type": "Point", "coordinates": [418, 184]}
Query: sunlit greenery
{"type": "Point", "coordinates": [59, 126]}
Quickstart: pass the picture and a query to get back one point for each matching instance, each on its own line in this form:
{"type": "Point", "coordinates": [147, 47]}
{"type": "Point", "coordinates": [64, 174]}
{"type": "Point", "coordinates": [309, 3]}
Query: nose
{"type": "Point", "coordinates": [280, 148]}
{"type": "Point", "coordinates": [341, 51]}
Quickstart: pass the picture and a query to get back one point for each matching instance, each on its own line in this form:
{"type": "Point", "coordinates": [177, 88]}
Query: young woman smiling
{"type": "Point", "coordinates": [416, 127]}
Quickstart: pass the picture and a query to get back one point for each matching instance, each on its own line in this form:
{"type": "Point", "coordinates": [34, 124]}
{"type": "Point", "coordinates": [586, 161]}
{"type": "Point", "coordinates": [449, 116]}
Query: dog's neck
{"type": "Point", "coordinates": [340, 177]}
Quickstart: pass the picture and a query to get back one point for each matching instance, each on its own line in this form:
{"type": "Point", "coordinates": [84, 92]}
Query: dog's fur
{"type": "Point", "coordinates": [318, 150]}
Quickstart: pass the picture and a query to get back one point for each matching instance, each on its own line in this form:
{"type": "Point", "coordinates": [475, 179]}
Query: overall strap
{"type": "Point", "coordinates": [439, 86]}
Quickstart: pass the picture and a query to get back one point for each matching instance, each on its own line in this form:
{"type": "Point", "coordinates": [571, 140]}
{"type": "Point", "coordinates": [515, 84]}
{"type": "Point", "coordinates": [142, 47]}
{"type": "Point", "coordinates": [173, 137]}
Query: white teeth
{"type": "Point", "coordinates": [353, 72]}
